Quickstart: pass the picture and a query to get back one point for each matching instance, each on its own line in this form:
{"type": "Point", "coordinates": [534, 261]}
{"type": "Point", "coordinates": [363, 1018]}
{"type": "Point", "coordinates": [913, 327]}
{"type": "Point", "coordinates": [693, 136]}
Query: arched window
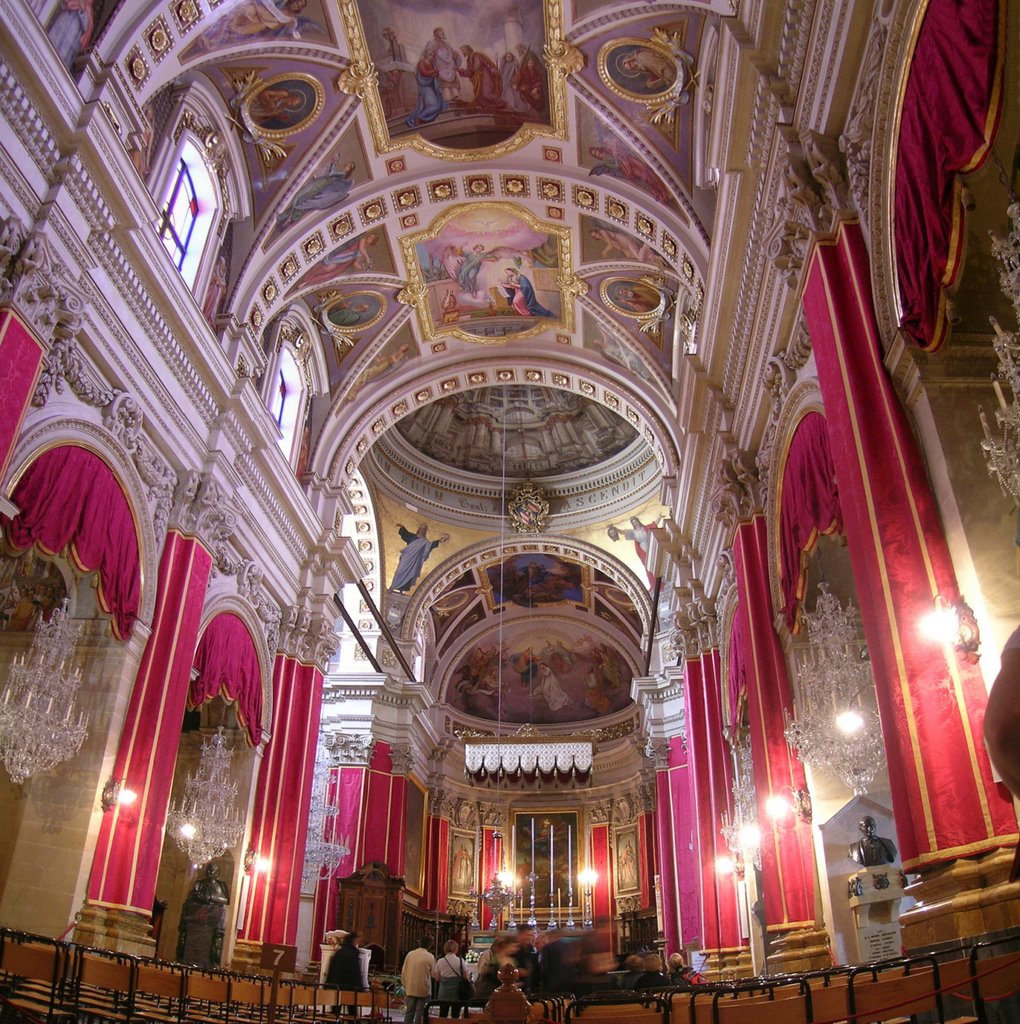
{"type": "Point", "coordinates": [186, 216]}
{"type": "Point", "coordinates": [286, 399]}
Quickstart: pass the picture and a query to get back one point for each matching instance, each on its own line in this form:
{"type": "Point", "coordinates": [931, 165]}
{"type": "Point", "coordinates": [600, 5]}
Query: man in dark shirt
{"type": "Point", "coordinates": [527, 961]}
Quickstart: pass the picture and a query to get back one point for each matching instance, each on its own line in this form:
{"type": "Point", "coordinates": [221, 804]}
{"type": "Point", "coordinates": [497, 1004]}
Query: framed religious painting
{"type": "Point", "coordinates": [463, 867]}
{"type": "Point", "coordinates": [414, 863]}
{"type": "Point", "coordinates": [626, 851]}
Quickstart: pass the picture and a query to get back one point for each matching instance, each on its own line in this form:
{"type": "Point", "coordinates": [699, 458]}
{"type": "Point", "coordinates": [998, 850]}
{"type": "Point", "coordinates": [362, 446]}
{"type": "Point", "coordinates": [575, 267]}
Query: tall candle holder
{"type": "Point", "coordinates": [532, 920]}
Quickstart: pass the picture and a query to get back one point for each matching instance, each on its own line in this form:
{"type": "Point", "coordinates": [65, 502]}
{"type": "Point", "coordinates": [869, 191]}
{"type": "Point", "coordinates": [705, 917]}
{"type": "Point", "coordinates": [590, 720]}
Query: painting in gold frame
{"type": "Point", "coordinates": [466, 83]}
{"type": "Point", "coordinates": [414, 862]}
{"type": "Point", "coordinates": [489, 272]}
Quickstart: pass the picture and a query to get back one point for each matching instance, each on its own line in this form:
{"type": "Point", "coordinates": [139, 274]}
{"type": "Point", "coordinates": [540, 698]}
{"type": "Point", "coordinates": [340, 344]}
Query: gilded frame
{"type": "Point", "coordinates": [259, 86]}
{"type": "Point", "coordinates": [361, 79]}
{"type": "Point", "coordinates": [416, 292]}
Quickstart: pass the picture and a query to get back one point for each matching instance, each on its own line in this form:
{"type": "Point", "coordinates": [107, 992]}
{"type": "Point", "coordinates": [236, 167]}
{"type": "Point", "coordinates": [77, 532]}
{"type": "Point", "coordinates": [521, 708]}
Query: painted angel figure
{"type": "Point", "coordinates": [464, 267]}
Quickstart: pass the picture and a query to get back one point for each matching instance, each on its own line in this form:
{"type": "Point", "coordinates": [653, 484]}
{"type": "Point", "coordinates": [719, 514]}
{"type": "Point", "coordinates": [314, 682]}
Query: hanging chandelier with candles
{"type": "Point", "coordinates": [39, 727]}
{"type": "Point", "coordinates": [206, 823]}
{"type": "Point", "coordinates": [835, 726]}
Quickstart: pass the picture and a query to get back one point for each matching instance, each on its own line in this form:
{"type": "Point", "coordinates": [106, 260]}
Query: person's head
{"type": "Point", "coordinates": [633, 962]}
{"type": "Point", "coordinates": [451, 946]}
{"type": "Point", "coordinates": [388, 33]}
{"type": "Point", "coordinates": [652, 962]}
{"type": "Point", "coordinates": [676, 961]}
{"type": "Point", "coordinates": [867, 825]}
{"type": "Point", "coordinates": [350, 939]}
{"type": "Point", "coordinates": [211, 871]}
{"type": "Point", "coordinates": [423, 942]}
{"type": "Point", "coordinates": [512, 274]}
{"type": "Point", "coordinates": [439, 33]}
{"type": "Point", "coordinates": [526, 936]}
{"type": "Point", "coordinates": [466, 50]}
{"type": "Point", "coordinates": [423, 529]}
{"type": "Point", "coordinates": [635, 522]}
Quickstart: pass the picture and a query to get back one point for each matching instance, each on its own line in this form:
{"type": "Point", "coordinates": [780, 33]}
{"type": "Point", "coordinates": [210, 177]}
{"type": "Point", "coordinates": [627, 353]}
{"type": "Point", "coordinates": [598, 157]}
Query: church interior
{"type": "Point", "coordinates": [475, 464]}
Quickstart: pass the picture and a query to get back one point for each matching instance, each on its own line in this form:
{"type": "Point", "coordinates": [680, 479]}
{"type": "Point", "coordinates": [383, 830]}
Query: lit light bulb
{"type": "Point", "coordinates": [777, 807]}
{"type": "Point", "coordinates": [725, 865]}
{"type": "Point", "coordinates": [188, 830]}
{"type": "Point", "coordinates": [505, 879]}
{"type": "Point", "coordinates": [849, 722]}
{"type": "Point", "coordinates": [750, 836]}
{"type": "Point", "coordinates": [941, 625]}
{"type": "Point", "coordinates": [126, 797]}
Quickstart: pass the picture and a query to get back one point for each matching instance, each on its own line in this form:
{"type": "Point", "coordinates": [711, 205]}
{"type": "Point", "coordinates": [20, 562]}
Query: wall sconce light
{"type": "Point", "coordinates": [728, 864]}
{"type": "Point", "coordinates": [250, 858]}
{"type": "Point", "coordinates": [114, 793]}
{"type": "Point", "coordinates": [956, 624]}
{"type": "Point", "coordinates": [789, 801]}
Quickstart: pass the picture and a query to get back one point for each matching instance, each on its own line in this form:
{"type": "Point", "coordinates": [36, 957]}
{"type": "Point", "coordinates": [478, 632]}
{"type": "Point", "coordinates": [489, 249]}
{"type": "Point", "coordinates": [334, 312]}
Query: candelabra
{"type": "Point", "coordinates": [1002, 452]}
{"type": "Point", "coordinates": [323, 851]}
{"type": "Point", "coordinates": [532, 877]}
{"type": "Point", "coordinates": [835, 727]}
{"type": "Point", "coordinates": [498, 894]}
{"type": "Point", "coordinates": [38, 725]}
{"type": "Point", "coordinates": [206, 823]}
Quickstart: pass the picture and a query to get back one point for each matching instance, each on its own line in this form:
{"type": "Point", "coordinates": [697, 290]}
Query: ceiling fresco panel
{"type": "Point", "coordinates": [244, 22]}
{"type": "Point", "coordinates": [548, 672]}
{"type": "Point", "coordinates": [489, 271]}
{"type": "Point", "coordinates": [463, 82]}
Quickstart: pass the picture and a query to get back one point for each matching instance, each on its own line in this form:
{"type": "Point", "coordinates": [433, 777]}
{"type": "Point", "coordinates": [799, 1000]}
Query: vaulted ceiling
{"type": "Point", "coordinates": [495, 219]}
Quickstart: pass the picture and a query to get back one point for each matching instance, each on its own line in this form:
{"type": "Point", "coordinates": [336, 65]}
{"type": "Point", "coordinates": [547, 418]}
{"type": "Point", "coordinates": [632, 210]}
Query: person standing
{"type": "Point", "coordinates": [416, 977]}
{"type": "Point", "coordinates": [449, 971]}
{"type": "Point", "coordinates": [527, 961]}
{"type": "Point", "coordinates": [344, 971]}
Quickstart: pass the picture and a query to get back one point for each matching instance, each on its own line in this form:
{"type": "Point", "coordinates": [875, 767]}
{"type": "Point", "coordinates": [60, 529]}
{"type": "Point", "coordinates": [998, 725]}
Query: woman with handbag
{"type": "Point", "coordinates": [451, 973]}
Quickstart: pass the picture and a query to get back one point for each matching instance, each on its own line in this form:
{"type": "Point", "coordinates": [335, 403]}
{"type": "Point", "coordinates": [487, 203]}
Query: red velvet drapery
{"type": "Point", "coordinates": [69, 498]}
{"type": "Point", "coordinates": [950, 113]}
{"type": "Point", "coordinates": [808, 506]}
{"type": "Point", "coordinates": [228, 663]}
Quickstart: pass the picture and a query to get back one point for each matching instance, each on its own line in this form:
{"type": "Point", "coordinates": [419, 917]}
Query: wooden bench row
{"type": "Point", "coordinates": [902, 990]}
{"type": "Point", "coordinates": [41, 979]}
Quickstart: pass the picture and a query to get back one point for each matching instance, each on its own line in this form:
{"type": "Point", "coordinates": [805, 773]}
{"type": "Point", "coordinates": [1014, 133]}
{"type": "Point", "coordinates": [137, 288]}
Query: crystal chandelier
{"type": "Point", "coordinates": [1002, 451]}
{"type": "Point", "coordinates": [323, 851]}
{"type": "Point", "coordinates": [38, 725]}
{"type": "Point", "coordinates": [835, 727]}
{"type": "Point", "coordinates": [207, 822]}
{"type": "Point", "coordinates": [742, 834]}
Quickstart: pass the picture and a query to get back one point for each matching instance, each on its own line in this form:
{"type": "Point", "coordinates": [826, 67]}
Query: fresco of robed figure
{"type": "Point", "coordinates": [462, 77]}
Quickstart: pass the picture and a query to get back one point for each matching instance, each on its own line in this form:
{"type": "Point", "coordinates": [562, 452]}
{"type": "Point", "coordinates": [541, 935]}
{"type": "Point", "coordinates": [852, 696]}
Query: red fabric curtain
{"type": "Point", "coordinates": [950, 113]}
{"type": "Point", "coordinates": [228, 663]}
{"type": "Point", "coordinates": [69, 498]}
{"type": "Point", "coordinates": [808, 506]}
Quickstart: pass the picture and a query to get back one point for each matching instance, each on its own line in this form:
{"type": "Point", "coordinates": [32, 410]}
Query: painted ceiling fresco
{"type": "Point", "coordinates": [424, 190]}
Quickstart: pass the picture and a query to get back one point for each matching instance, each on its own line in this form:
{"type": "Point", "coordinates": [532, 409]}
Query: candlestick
{"type": "Point", "coordinates": [559, 905]}
{"type": "Point", "coordinates": [532, 845]}
{"type": "Point", "coordinates": [552, 869]}
{"type": "Point", "coordinates": [570, 849]}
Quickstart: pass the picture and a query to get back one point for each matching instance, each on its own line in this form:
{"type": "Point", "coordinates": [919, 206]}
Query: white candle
{"type": "Point", "coordinates": [997, 388]}
{"type": "Point", "coordinates": [532, 845]}
{"type": "Point", "coordinates": [551, 861]}
{"type": "Point", "coordinates": [570, 849]}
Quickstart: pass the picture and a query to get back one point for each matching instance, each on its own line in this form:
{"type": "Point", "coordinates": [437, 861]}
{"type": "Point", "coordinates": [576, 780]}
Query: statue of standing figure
{"type": "Point", "coordinates": [870, 849]}
{"type": "Point", "coordinates": [204, 921]}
